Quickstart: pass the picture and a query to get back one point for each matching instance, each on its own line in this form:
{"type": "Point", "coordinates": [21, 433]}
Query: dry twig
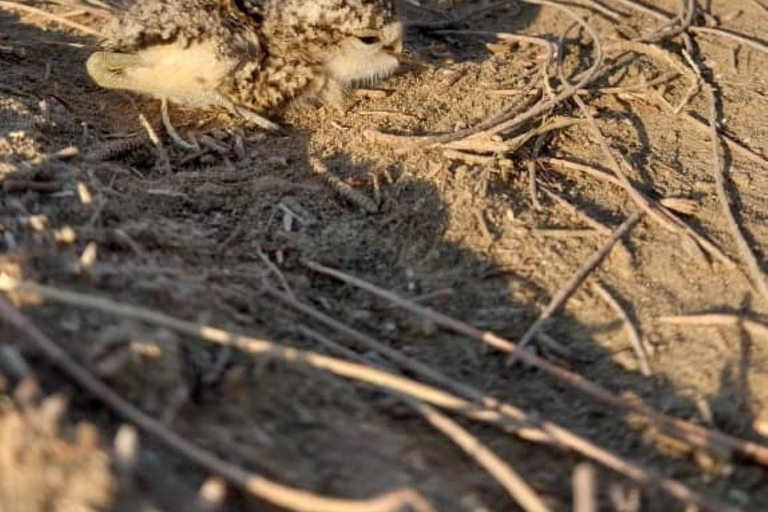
{"type": "Point", "coordinates": [354, 196]}
{"type": "Point", "coordinates": [507, 477]}
{"type": "Point", "coordinates": [634, 336]}
{"type": "Point", "coordinates": [747, 256]}
{"type": "Point", "coordinates": [584, 489]}
{"type": "Point", "coordinates": [114, 148]}
{"type": "Point", "coordinates": [265, 489]}
{"type": "Point", "coordinates": [487, 409]}
{"type": "Point", "coordinates": [564, 293]}
{"type": "Point", "coordinates": [7, 4]}
{"type": "Point", "coordinates": [258, 486]}
{"type": "Point", "coordinates": [739, 38]}
{"type": "Point", "coordinates": [720, 319]}
{"type": "Point", "coordinates": [594, 224]}
{"type": "Point", "coordinates": [691, 433]}
{"type": "Point", "coordinates": [507, 121]}
{"type": "Point", "coordinates": [651, 207]}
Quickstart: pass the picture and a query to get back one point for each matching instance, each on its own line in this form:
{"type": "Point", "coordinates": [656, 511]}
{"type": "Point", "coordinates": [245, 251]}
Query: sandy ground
{"type": "Point", "coordinates": [202, 235]}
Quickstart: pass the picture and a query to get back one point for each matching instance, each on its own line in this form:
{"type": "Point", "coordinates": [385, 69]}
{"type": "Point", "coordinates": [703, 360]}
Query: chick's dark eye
{"type": "Point", "coordinates": [369, 39]}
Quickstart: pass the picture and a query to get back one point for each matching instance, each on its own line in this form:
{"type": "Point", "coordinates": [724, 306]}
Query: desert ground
{"type": "Point", "coordinates": [527, 272]}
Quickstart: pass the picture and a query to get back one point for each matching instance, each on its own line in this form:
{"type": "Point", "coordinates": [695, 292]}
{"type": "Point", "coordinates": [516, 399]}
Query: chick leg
{"type": "Point", "coordinates": [172, 133]}
{"type": "Point", "coordinates": [248, 115]}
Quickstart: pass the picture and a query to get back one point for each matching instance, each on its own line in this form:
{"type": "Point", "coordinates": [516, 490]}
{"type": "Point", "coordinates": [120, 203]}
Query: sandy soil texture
{"type": "Point", "coordinates": [541, 173]}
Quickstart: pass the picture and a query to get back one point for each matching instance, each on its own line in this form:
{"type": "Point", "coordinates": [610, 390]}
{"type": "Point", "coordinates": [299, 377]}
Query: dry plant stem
{"type": "Point", "coordinates": [502, 122]}
{"type": "Point", "coordinates": [597, 226]}
{"type": "Point", "coordinates": [584, 489]}
{"type": "Point", "coordinates": [470, 158]}
{"type": "Point", "coordinates": [719, 319]}
{"type": "Point", "coordinates": [740, 38]}
{"type": "Point", "coordinates": [34, 10]}
{"type": "Point", "coordinates": [637, 6]}
{"type": "Point", "coordinates": [570, 165]}
{"type": "Point", "coordinates": [490, 410]}
{"type": "Point", "coordinates": [634, 336]}
{"type": "Point", "coordinates": [508, 478]}
{"type": "Point", "coordinates": [354, 196]}
{"type": "Point", "coordinates": [286, 497]}
{"type": "Point", "coordinates": [573, 283]}
{"type": "Point", "coordinates": [99, 10]}
{"type": "Point", "coordinates": [651, 207]}
{"type": "Point", "coordinates": [667, 77]}
{"type": "Point", "coordinates": [661, 54]}
{"type": "Point", "coordinates": [258, 486]}
{"type": "Point", "coordinates": [275, 270]}
{"type": "Point", "coordinates": [482, 143]}
{"type": "Point", "coordinates": [558, 124]}
{"type": "Point", "coordinates": [733, 144]}
{"type": "Point", "coordinates": [532, 170]}
{"type": "Point", "coordinates": [747, 256]}
{"type": "Point", "coordinates": [657, 212]}
{"type": "Point", "coordinates": [688, 9]}
{"type": "Point", "coordinates": [605, 11]}
{"type": "Point", "coordinates": [114, 148]}
{"type": "Point", "coordinates": [518, 488]}
{"type": "Point", "coordinates": [260, 347]}
{"type": "Point", "coordinates": [694, 434]}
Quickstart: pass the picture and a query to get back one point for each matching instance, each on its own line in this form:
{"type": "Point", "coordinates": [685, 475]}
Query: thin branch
{"type": "Point", "coordinates": [586, 219]}
{"type": "Point", "coordinates": [504, 474]}
{"type": "Point", "coordinates": [729, 34]}
{"type": "Point", "coordinates": [584, 486]}
{"type": "Point", "coordinates": [488, 409]}
{"type": "Point", "coordinates": [688, 9]}
{"type": "Point", "coordinates": [691, 433]}
{"type": "Point", "coordinates": [507, 477]}
{"type": "Point", "coordinates": [747, 256]}
{"type": "Point", "coordinates": [651, 207]}
{"type": "Point", "coordinates": [503, 121]}
{"type": "Point", "coordinates": [634, 337]}
{"type": "Point", "coordinates": [258, 486]}
{"type": "Point", "coordinates": [7, 4]}
{"type": "Point", "coordinates": [573, 283]}
{"type": "Point", "coordinates": [605, 11]}
{"type": "Point", "coordinates": [637, 6]}
{"type": "Point", "coordinates": [353, 371]}
{"type": "Point", "coordinates": [720, 319]}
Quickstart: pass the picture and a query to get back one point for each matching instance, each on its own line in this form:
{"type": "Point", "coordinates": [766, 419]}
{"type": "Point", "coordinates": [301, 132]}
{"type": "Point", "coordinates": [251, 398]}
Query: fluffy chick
{"type": "Point", "coordinates": [250, 56]}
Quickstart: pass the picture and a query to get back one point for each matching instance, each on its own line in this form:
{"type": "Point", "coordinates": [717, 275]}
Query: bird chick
{"type": "Point", "coordinates": [249, 56]}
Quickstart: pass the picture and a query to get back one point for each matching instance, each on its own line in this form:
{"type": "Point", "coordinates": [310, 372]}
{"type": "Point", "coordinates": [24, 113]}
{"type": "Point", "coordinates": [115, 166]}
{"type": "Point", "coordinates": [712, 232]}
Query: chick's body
{"type": "Point", "coordinates": [250, 56]}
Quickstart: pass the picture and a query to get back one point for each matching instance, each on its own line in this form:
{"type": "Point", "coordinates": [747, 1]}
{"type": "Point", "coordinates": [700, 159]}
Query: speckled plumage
{"type": "Point", "coordinates": [253, 54]}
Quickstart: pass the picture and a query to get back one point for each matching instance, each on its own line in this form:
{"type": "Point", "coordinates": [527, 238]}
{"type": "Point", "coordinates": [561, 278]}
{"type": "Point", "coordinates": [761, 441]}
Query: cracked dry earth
{"type": "Point", "coordinates": [201, 234]}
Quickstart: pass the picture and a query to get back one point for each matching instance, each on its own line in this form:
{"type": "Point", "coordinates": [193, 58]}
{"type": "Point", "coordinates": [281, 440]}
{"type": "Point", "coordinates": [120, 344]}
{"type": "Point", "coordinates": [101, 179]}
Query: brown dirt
{"type": "Point", "coordinates": [187, 242]}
